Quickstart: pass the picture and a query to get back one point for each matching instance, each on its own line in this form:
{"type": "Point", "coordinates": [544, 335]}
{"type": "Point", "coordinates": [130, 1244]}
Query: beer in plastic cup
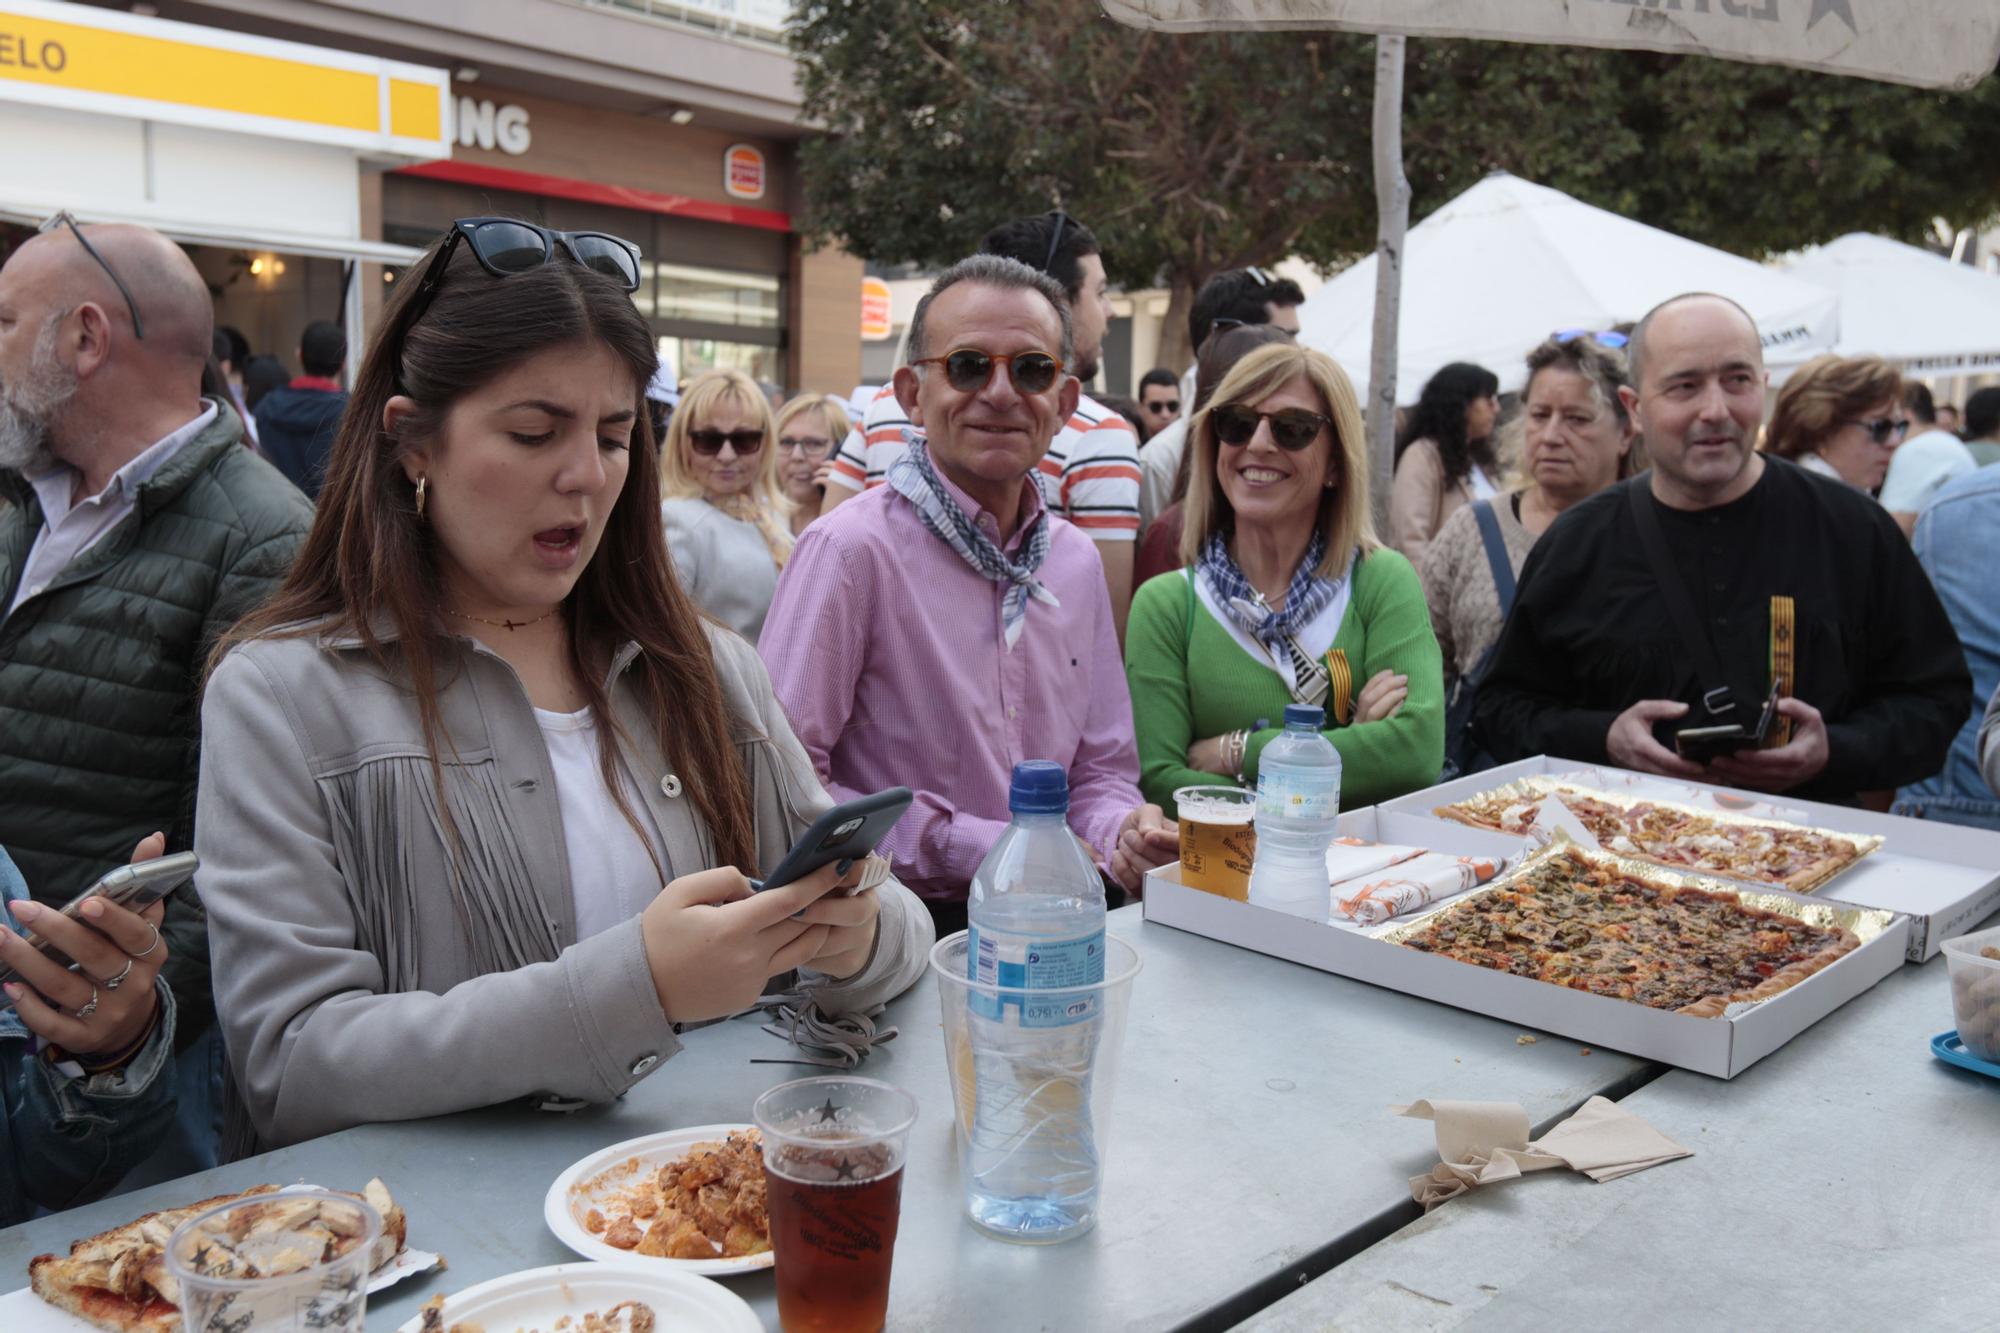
{"type": "Point", "coordinates": [1218, 839]}
{"type": "Point", "coordinates": [833, 1170]}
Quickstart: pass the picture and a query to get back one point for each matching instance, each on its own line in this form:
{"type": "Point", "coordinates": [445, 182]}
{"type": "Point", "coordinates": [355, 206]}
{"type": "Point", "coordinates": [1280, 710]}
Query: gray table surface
{"type": "Point", "coordinates": [1848, 1181]}
{"type": "Point", "coordinates": [1252, 1149]}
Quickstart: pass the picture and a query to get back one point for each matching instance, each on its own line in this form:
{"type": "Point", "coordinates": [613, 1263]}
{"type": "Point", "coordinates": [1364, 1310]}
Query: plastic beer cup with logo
{"type": "Point", "coordinates": [295, 1260]}
{"type": "Point", "coordinates": [1218, 839]}
{"type": "Point", "coordinates": [833, 1170]}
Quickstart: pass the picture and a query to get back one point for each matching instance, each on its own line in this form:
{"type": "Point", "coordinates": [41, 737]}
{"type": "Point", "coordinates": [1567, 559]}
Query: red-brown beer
{"type": "Point", "coordinates": [833, 1229]}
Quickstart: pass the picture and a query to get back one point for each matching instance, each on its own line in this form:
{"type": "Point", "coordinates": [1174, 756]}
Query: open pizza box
{"type": "Point", "coordinates": [1944, 877]}
{"type": "Point", "coordinates": [1303, 933]}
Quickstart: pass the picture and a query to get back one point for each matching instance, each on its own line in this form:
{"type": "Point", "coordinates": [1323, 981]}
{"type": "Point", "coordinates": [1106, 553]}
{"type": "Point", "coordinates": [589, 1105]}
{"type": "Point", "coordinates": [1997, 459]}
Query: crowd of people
{"type": "Point", "coordinates": [483, 695]}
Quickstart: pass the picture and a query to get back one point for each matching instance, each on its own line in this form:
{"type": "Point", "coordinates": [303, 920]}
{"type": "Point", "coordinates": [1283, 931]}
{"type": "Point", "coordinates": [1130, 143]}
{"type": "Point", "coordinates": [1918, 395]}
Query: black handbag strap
{"type": "Point", "coordinates": [1496, 553]}
{"type": "Point", "coordinates": [1716, 696]}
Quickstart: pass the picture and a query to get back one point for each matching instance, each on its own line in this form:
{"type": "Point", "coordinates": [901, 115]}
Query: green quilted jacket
{"type": "Point", "coordinates": [100, 674]}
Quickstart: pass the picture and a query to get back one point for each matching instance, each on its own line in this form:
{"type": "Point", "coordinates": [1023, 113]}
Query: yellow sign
{"type": "Point", "coordinates": [875, 322]}
{"type": "Point", "coordinates": [113, 63]}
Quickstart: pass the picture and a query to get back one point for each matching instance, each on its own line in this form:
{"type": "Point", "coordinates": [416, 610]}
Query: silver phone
{"type": "Point", "coordinates": [130, 887]}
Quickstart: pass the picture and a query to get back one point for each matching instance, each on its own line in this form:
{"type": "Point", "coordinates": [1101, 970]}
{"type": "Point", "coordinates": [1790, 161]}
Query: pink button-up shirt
{"type": "Point", "coordinates": [886, 650]}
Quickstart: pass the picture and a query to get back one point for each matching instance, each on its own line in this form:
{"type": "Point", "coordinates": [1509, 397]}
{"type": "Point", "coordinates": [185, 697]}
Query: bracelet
{"type": "Point", "coordinates": [117, 1060]}
{"type": "Point", "coordinates": [1234, 744]}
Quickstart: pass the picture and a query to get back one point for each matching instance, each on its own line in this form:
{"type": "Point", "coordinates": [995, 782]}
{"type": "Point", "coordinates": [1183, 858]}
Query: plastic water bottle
{"type": "Point", "coordinates": [1036, 916]}
{"type": "Point", "coordinates": [1298, 804]}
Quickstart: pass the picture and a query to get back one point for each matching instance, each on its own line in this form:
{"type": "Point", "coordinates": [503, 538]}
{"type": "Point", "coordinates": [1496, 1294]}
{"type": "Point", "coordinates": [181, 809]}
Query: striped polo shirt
{"type": "Point", "coordinates": [1090, 475]}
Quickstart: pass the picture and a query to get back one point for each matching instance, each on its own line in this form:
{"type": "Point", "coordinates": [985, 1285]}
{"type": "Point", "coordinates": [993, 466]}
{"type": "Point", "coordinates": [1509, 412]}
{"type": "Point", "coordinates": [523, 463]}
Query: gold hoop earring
{"type": "Point", "coordinates": [423, 484]}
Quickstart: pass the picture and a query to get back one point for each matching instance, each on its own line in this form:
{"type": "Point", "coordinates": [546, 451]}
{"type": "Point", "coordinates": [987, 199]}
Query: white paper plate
{"type": "Point", "coordinates": [537, 1298]}
{"type": "Point", "coordinates": [560, 1209]}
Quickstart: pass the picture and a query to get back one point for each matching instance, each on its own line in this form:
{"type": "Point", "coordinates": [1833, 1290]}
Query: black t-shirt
{"type": "Point", "coordinates": [1874, 652]}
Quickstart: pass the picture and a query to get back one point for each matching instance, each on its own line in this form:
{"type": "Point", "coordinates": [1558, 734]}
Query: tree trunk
{"type": "Point", "coordinates": [1392, 202]}
{"type": "Point", "coordinates": [1174, 352]}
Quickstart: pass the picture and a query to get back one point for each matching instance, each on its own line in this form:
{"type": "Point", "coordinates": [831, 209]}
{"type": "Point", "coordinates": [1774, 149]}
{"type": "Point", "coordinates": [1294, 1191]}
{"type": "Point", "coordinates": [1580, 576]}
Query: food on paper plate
{"type": "Point", "coordinates": [624, 1317]}
{"type": "Point", "coordinates": [708, 1203]}
{"type": "Point", "coordinates": [119, 1281]}
{"type": "Point", "coordinates": [1786, 856]}
{"type": "Point", "coordinates": [1570, 918]}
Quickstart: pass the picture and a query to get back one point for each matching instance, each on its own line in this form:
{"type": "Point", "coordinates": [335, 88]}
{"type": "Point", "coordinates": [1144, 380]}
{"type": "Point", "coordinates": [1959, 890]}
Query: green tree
{"type": "Point", "coordinates": [1193, 153]}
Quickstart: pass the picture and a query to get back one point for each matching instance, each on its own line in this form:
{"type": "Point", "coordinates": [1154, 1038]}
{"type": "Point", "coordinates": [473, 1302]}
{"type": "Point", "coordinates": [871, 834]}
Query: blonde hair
{"type": "Point", "coordinates": [766, 503]}
{"type": "Point", "coordinates": [1344, 516]}
{"type": "Point", "coordinates": [832, 416]}
{"type": "Point", "coordinates": [1822, 395]}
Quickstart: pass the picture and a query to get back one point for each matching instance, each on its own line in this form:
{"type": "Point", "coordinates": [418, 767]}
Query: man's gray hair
{"type": "Point", "coordinates": [1635, 346]}
{"type": "Point", "coordinates": [992, 271]}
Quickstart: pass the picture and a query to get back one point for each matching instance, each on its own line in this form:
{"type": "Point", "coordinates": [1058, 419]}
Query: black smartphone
{"type": "Point", "coordinates": [1701, 744]}
{"type": "Point", "coordinates": [847, 832]}
{"type": "Point", "coordinates": [130, 887]}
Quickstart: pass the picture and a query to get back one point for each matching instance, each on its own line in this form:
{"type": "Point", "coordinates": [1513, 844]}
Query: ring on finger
{"type": "Point", "coordinates": [113, 983]}
{"type": "Point", "coordinates": [150, 947]}
{"type": "Point", "coordinates": [83, 1014]}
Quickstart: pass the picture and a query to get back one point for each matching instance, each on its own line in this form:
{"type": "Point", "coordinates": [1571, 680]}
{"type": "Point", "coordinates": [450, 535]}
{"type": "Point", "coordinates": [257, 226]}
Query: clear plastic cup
{"type": "Point", "coordinates": [1218, 839]}
{"type": "Point", "coordinates": [213, 1255]}
{"type": "Point", "coordinates": [834, 1149]}
{"type": "Point", "coordinates": [1975, 991]}
{"type": "Point", "coordinates": [1033, 1102]}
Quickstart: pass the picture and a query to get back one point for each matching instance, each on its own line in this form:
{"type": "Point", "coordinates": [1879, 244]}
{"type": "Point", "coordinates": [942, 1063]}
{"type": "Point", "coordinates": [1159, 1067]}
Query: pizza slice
{"type": "Point", "coordinates": [118, 1280]}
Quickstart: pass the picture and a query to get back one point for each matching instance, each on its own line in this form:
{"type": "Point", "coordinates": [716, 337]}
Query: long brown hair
{"type": "Point", "coordinates": [370, 558]}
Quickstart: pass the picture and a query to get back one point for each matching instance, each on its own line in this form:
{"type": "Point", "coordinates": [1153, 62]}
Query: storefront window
{"type": "Point", "coordinates": [691, 356]}
{"type": "Point", "coordinates": [712, 296]}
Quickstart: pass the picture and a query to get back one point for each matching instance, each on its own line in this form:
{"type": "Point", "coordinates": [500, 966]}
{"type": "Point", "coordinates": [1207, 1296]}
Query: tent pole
{"type": "Point", "coordinates": [1392, 200]}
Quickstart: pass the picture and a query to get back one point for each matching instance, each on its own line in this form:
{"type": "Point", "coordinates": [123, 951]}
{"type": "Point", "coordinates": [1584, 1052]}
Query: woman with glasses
{"type": "Point", "coordinates": [810, 429]}
{"type": "Point", "coordinates": [1573, 438]}
{"type": "Point", "coordinates": [479, 787]}
{"type": "Point", "coordinates": [1444, 455]}
{"type": "Point", "coordinates": [1842, 417]}
{"type": "Point", "coordinates": [1287, 598]}
{"type": "Point", "coordinates": [727, 518]}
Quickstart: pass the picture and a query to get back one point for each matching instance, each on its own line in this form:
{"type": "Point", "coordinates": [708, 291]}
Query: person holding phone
{"type": "Point", "coordinates": [482, 789]}
{"type": "Point", "coordinates": [810, 428]}
{"type": "Point", "coordinates": [727, 516]}
{"type": "Point", "coordinates": [86, 1056]}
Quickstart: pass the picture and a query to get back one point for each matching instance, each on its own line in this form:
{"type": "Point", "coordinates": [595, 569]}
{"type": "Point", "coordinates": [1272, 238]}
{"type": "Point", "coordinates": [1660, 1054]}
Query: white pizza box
{"type": "Point", "coordinates": [1944, 877]}
{"type": "Point", "coordinates": [1723, 1047]}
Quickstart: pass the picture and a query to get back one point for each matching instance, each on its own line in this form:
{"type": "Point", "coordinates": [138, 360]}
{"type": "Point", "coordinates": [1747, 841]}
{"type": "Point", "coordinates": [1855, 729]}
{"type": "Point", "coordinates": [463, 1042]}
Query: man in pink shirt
{"type": "Point", "coordinates": [939, 629]}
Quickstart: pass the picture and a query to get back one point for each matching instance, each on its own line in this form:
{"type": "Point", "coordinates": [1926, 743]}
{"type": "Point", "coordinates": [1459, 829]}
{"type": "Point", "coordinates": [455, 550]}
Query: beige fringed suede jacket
{"type": "Point", "coordinates": [356, 983]}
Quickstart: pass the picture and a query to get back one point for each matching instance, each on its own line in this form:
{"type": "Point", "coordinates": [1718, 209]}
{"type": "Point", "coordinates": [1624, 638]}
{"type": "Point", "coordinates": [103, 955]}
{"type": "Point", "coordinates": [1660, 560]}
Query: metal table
{"type": "Point", "coordinates": [1847, 1181]}
{"type": "Point", "coordinates": [1252, 1149]}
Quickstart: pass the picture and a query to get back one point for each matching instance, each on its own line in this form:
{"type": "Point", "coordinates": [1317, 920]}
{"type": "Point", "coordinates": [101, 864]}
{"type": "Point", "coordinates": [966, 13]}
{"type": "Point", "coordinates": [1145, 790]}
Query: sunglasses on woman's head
{"type": "Point", "coordinates": [1292, 428]}
{"type": "Point", "coordinates": [744, 442]}
{"type": "Point", "coordinates": [1883, 429]}
{"type": "Point", "coordinates": [968, 370]}
{"type": "Point", "coordinates": [507, 246]}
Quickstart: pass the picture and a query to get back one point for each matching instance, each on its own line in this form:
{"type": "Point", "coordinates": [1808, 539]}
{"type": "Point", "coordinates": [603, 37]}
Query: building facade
{"type": "Point", "coordinates": [672, 125]}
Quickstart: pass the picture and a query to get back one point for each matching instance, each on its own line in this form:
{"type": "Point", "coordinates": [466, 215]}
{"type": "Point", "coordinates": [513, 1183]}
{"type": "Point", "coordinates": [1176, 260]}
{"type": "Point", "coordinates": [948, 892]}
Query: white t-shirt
{"type": "Point", "coordinates": [610, 874]}
{"type": "Point", "coordinates": [1090, 475]}
{"type": "Point", "coordinates": [1921, 467]}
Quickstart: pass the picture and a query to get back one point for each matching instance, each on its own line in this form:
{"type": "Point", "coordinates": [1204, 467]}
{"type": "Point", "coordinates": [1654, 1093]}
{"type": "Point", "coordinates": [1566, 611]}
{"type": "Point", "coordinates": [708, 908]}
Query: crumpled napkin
{"type": "Point", "coordinates": [1485, 1143]}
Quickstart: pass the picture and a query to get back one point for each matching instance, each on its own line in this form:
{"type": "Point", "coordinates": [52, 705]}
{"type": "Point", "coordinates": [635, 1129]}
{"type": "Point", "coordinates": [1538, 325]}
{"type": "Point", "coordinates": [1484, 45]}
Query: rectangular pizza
{"type": "Point", "coordinates": [1575, 918]}
{"type": "Point", "coordinates": [1679, 837]}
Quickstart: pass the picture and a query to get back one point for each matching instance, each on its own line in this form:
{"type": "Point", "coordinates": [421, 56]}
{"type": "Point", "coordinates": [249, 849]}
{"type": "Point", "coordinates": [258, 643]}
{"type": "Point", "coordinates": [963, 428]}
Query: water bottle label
{"type": "Point", "coordinates": [1281, 796]}
{"type": "Point", "coordinates": [1057, 965]}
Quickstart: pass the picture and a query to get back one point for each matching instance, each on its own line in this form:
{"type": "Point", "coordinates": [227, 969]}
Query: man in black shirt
{"type": "Point", "coordinates": [1791, 577]}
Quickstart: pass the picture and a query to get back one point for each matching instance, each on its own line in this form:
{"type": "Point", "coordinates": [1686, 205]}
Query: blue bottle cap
{"type": "Point", "coordinates": [1305, 715]}
{"type": "Point", "coordinates": [1040, 787]}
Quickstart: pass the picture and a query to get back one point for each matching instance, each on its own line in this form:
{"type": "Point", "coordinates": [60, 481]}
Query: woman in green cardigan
{"type": "Point", "coordinates": [1286, 597]}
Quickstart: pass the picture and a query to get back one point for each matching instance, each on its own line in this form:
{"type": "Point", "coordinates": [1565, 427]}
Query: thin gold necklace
{"type": "Point", "coordinates": [505, 624]}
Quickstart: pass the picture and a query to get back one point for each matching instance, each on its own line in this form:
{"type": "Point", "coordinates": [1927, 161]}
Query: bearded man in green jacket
{"type": "Point", "coordinates": [135, 528]}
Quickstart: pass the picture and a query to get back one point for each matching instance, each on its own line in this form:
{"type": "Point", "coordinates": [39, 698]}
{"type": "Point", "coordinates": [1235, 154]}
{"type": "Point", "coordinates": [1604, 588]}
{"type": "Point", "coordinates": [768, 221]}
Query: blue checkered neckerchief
{"type": "Point", "coordinates": [1308, 595]}
{"type": "Point", "coordinates": [917, 481]}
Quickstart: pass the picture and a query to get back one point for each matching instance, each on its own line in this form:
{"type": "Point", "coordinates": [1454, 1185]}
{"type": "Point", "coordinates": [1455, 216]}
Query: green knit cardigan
{"type": "Point", "coordinates": [1191, 680]}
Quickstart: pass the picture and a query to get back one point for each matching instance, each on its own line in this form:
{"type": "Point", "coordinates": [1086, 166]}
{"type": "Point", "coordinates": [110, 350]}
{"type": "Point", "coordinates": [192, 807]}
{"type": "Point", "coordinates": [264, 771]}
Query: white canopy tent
{"type": "Point", "coordinates": [1507, 263]}
{"type": "Point", "coordinates": [1907, 305]}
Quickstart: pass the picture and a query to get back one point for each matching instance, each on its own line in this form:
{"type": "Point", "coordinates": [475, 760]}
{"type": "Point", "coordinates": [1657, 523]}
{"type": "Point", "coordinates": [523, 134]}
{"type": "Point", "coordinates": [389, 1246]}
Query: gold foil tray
{"type": "Point", "coordinates": [1540, 788]}
{"type": "Point", "coordinates": [1865, 922]}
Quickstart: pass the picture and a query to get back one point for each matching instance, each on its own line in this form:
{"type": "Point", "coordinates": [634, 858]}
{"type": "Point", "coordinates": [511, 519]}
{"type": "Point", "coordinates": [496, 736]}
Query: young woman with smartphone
{"type": "Point", "coordinates": [481, 789]}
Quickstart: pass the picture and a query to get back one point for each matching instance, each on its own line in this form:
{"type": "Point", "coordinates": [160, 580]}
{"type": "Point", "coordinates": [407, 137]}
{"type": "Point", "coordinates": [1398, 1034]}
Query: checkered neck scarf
{"type": "Point", "coordinates": [1308, 595]}
{"type": "Point", "coordinates": [917, 481]}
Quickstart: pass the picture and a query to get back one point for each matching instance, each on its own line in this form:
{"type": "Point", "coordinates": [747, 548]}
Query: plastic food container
{"type": "Point", "coordinates": [1975, 991]}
